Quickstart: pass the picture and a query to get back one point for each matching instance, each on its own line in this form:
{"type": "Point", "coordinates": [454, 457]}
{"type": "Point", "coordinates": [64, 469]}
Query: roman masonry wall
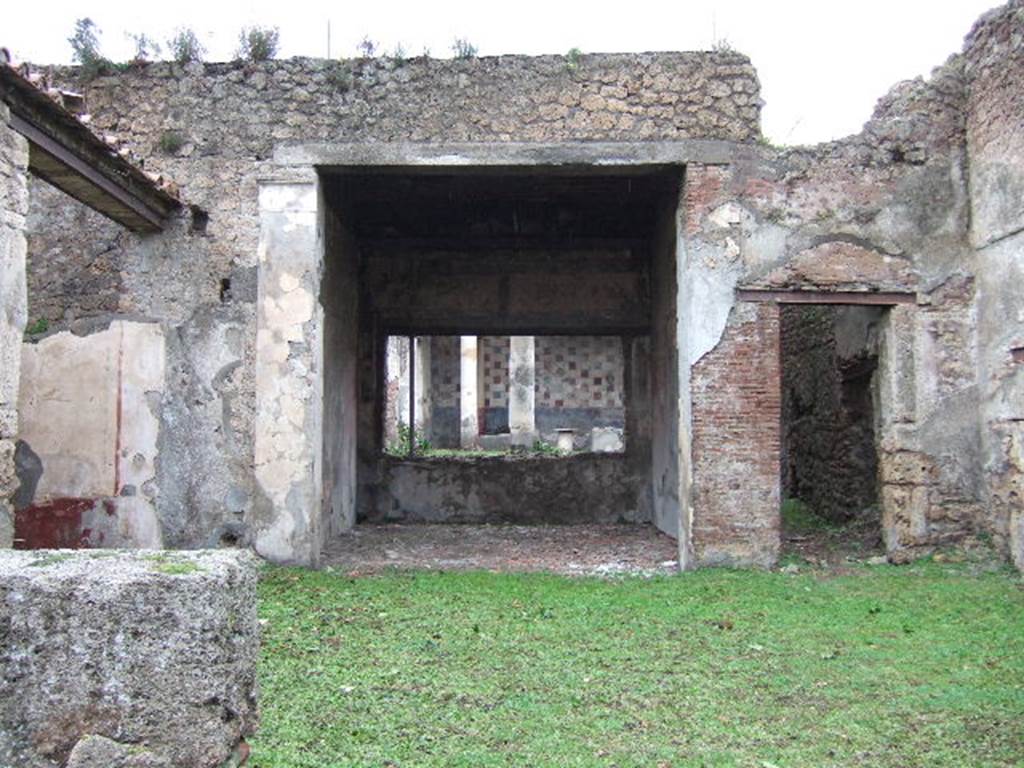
{"type": "Point", "coordinates": [13, 209]}
{"type": "Point", "coordinates": [916, 215]}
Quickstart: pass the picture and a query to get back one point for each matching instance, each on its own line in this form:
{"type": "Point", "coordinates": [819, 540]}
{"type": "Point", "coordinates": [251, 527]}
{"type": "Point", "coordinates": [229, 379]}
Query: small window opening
{"type": "Point", "coordinates": [496, 395]}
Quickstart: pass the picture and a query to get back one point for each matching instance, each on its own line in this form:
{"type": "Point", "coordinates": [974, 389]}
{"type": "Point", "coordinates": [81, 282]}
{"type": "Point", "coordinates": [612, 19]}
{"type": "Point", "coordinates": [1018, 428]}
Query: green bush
{"type": "Point", "coordinates": [405, 437]}
{"type": "Point", "coordinates": [85, 49]}
{"type": "Point", "coordinates": [146, 48]}
{"type": "Point", "coordinates": [171, 142]}
{"type": "Point", "coordinates": [184, 46]}
{"type": "Point", "coordinates": [258, 43]}
{"type": "Point", "coordinates": [573, 59]}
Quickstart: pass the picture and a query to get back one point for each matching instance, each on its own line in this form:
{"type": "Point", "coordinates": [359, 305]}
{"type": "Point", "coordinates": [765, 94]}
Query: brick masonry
{"type": "Point", "coordinates": [736, 441]}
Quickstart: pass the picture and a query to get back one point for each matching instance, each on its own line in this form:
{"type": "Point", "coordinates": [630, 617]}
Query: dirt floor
{"type": "Point", "coordinates": [565, 549]}
{"type": "Point", "coordinates": [835, 545]}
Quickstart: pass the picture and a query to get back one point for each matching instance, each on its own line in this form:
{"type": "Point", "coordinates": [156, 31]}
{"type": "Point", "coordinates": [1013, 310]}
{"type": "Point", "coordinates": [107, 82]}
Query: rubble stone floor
{"type": "Point", "coordinates": [575, 550]}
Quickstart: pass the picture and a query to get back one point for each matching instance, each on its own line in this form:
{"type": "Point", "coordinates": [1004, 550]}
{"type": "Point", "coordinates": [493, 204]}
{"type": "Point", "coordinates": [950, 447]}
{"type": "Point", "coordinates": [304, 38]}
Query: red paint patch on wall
{"type": "Point", "coordinates": [54, 525]}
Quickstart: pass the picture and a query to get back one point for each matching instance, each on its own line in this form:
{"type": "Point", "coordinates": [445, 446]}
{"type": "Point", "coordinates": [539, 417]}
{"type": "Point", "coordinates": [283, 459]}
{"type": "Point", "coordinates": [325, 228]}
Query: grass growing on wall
{"type": "Point", "coordinates": [915, 666]}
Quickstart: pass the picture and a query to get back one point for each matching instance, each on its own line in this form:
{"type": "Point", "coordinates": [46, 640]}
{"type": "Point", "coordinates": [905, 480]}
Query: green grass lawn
{"type": "Point", "coordinates": [915, 666]}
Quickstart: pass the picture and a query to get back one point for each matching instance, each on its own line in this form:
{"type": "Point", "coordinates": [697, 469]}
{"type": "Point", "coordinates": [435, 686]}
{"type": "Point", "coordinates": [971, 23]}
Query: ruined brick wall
{"type": "Point", "coordinates": [885, 210]}
{"type": "Point", "coordinates": [925, 200]}
{"type": "Point", "coordinates": [735, 442]}
{"type": "Point", "coordinates": [994, 70]}
{"type": "Point", "coordinates": [13, 209]}
{"type": "Point", "coordinates": [828, 358]}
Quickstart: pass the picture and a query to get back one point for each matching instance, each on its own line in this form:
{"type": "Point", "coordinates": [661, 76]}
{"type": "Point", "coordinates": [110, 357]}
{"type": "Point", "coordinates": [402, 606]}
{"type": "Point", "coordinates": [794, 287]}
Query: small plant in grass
{"type": "Point", "coordinates": [722, 45]}
{"type": "Point", "coordinates": [258, 43]}
{"type": "Point", "coordinates": [544, 448]}
{"type": "Point", "coordinates": [797, 517]}
{"type": "Point", "coordinates": [405, 436]}
{"type": "Point", "coordinates": [463, 49]}
{"type": "Point", "coordinates": [184, 46]}
{"type": "Point", "coordinates": [398, 56]}
{"type": "Point", "coordinates": [85, 49]}
{"type": "Point", "coordinates": [171, 142]}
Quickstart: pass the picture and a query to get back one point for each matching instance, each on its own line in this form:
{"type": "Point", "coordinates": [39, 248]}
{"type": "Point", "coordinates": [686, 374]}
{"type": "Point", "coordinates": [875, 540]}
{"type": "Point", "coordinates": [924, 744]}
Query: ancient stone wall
{"type": "Point", "coordinates": [994, 68]}
{"type": "Point", "coordinates": [590, 488]}
{"type": "Point", "coordinates": [94, 484]}
{"type": "Point", "coordinates": [579, 385]}
{"type": "Point", "coordinates": [214, 127]}
{"type": "Point", "coordinates": [226, 119]}
{"type": "Point", "coordinates": [74, 288]}
{"type": "Point", "coordinates": [885, 210]}
{"type": "Point", "coordinates": [13, 209]}
{"type": "Point", "coordinates": [445, 381]}
{"type": "Point", "coordinates": [155, 652]}
{"type": "Point", "coordinates": [493, 388]}
{"type": "Point", "coordinates": [918, 206]}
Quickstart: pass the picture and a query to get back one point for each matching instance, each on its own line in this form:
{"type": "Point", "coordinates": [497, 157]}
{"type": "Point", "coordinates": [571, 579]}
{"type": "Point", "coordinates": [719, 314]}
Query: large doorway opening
{"type": "Point", "coordinates": [508, 275]}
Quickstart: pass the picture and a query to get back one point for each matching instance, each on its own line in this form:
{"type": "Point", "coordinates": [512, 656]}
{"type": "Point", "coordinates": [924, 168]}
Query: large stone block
{"type": "Point", "coordinates": [155, 650]}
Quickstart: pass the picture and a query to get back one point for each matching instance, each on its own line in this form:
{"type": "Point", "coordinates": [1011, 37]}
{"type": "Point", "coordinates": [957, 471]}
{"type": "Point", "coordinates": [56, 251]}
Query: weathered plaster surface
{"type": "Point", "coordinates": [522, 420]}
{"type": "Point", "coordinates": [13, 301]}
{"type": "Point", "coordinates": [90, 412]}
{"type": "Point", "coordinates": [994, 66]}
{"type": "Point", "coordinates": [289, 384]}
{"type": "Point", "coordinates": [469, 425]}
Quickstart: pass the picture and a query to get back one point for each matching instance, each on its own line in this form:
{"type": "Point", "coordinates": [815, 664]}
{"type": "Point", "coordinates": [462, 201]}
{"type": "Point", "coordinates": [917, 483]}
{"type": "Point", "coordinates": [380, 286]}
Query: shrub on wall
{"type": "Point", "coordinates": [258, 43]}
{"type": "Point", "coordinates": [184, 46]}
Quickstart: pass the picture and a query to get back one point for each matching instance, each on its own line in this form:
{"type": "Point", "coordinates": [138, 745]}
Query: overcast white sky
{"type": "Point", "coordinates": [822, 63]}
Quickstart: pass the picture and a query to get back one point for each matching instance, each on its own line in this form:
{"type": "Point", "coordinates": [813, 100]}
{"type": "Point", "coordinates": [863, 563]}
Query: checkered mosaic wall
{"type": "Point", "coordinates": [579, 372]}
{"type": "Point", "coordinates": [493, 355]}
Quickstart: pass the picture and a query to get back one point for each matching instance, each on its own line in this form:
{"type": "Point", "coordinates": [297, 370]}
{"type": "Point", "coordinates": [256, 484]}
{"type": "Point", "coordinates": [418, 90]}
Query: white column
{"type": "Point", "coordinates": [397, 387]}
{"type": "Point", "coordinates": [469, 420]}
{"type": "Point", "coordinates": [521, 399]}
